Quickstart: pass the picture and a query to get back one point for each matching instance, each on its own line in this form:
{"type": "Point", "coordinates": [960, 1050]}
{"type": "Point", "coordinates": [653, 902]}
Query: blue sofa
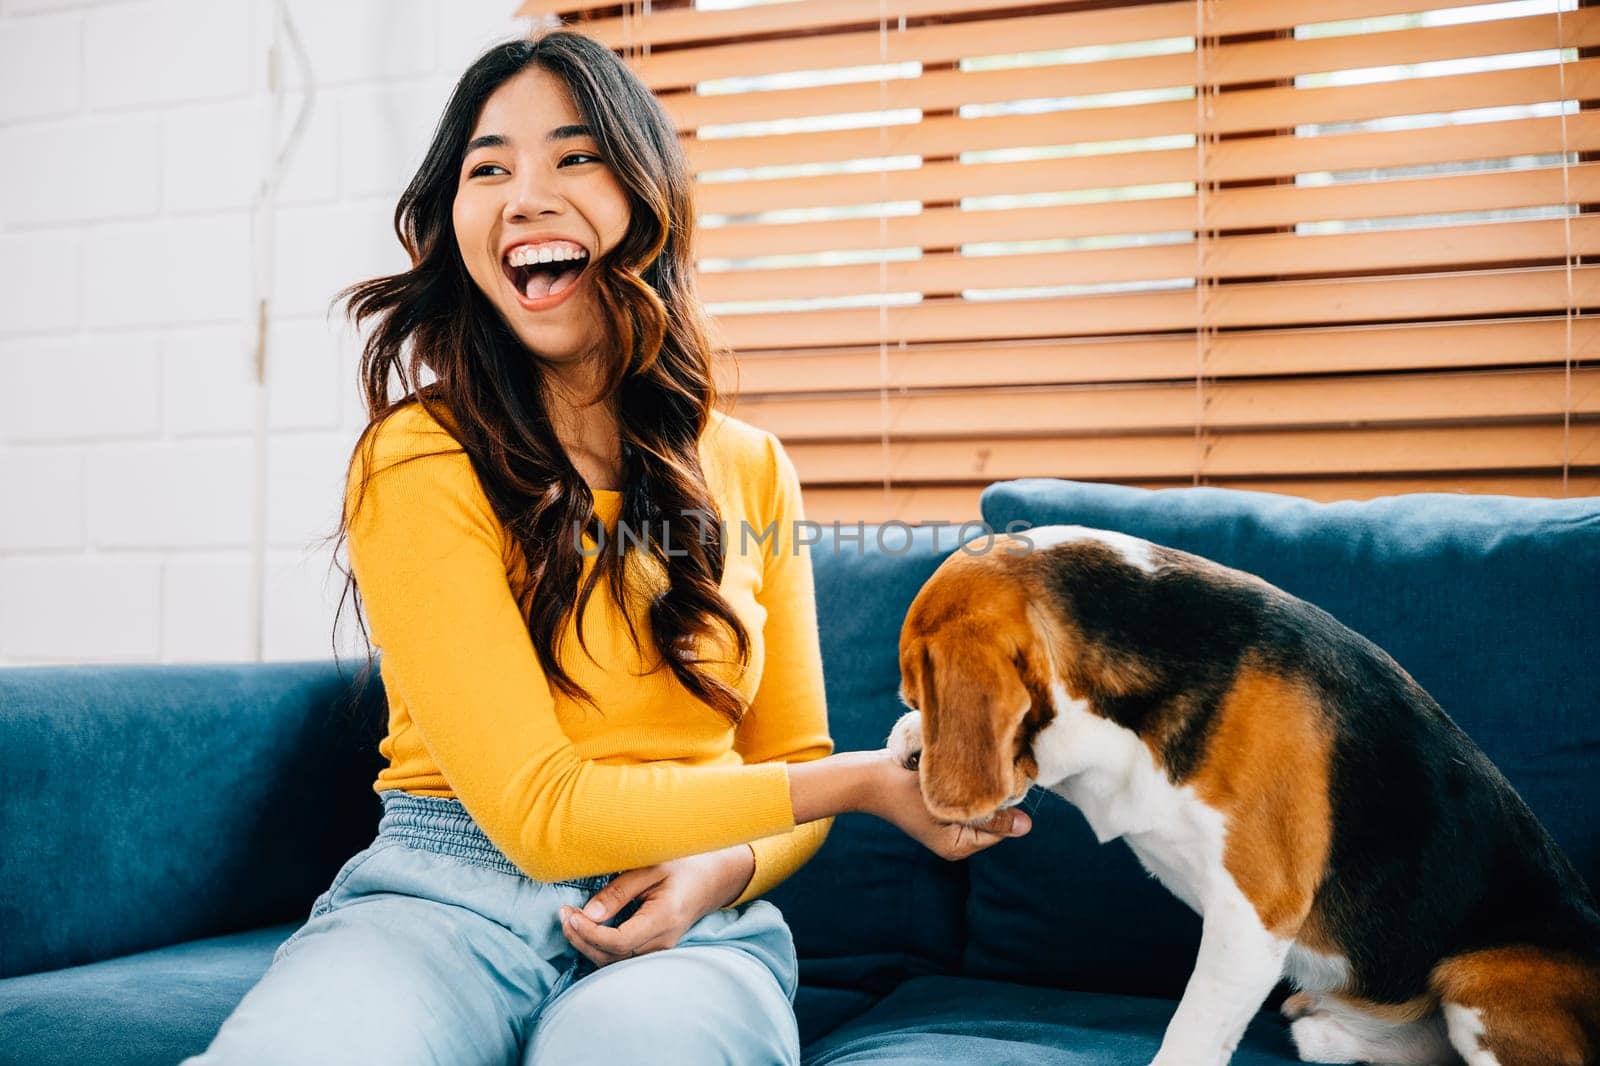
{"type": "Point", "coordinates": [164, 827]}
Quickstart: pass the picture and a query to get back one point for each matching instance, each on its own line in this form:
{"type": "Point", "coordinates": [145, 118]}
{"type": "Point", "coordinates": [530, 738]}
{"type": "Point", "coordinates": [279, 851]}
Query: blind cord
{"type": "Point", "coordinates": [1205, 111]}
{"type": "Point", "coordinates": [883, 248]}
{"type": "Point", "coordinates": [1566, 218]}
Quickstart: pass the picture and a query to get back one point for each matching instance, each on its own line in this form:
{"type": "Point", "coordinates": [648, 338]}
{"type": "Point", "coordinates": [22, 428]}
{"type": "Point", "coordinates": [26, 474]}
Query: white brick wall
{"type": "Point", "coordinates": [133, 139]}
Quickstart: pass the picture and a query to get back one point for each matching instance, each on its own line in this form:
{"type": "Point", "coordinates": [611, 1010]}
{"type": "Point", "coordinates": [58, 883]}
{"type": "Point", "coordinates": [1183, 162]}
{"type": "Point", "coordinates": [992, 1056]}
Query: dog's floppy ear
{"type": "Point", "coordinates": [973, 703]}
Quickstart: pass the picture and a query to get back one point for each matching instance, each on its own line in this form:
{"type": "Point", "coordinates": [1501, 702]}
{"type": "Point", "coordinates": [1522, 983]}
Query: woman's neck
{"type": "Point", "coordinates": [591, 437]}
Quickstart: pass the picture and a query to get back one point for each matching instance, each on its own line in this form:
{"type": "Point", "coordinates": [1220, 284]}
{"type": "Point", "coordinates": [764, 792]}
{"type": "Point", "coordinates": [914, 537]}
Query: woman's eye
{"type": "Point", "coordinates": [485, 167]}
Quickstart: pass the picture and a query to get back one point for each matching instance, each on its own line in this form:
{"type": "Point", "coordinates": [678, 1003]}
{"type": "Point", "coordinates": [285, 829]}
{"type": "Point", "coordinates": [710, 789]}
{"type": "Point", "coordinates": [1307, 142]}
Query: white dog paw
{"type": "Point", "coordinates": [1299, 1005]}
{"type": "Point", "coordinates": [905, 740]}
{"type": "Point", "coordinates": [1320, 1038]}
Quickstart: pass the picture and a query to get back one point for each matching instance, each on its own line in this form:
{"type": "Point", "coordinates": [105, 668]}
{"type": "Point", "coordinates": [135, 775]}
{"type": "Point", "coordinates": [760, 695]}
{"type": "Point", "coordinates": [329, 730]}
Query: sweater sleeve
{"type": "Point", "coordinates": [426, 551]}
{"type": "Point", "coordinates": [788, 719]}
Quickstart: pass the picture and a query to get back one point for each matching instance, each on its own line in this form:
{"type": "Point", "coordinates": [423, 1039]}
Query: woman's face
{"type": "Point", "coordinates": [533, 176]}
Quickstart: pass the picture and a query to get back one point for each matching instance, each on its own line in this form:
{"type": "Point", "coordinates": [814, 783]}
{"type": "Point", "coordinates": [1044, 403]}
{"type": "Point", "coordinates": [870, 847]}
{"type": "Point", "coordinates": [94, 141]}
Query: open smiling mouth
{"type": "Point", "coordinates": [540, 281]}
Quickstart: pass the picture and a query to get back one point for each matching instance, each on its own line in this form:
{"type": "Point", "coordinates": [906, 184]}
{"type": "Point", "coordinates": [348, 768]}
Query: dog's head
{"type": "Point", "coordinates": [973, 662]}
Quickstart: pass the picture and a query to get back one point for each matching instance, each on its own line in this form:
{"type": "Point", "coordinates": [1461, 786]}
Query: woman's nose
{"type": "Point", "coordinates": [533, 194]}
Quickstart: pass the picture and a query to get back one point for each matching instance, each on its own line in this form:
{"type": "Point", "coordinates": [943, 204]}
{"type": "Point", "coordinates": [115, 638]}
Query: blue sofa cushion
{"type": "Point", "coordinates": [153, 1008]}
{"type": "Point", "coordinates": [1489, 602]}
{"type": "Point", "coordinates": [873, 907]}
{"type": "Point", "coordinates": [151, 804]}
{"type": "Point", "coordinates": [931, 1021]}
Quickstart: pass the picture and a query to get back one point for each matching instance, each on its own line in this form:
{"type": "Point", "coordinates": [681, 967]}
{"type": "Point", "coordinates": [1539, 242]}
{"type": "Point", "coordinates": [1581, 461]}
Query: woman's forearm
{"type": "Point", "coordinates": [873, 783]}
{"type": "Point", "coordinates": [838, 784]}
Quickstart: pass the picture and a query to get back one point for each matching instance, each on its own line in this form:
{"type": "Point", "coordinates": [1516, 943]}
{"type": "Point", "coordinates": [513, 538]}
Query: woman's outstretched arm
{"type": "Point", "coordinates": [427, 553]}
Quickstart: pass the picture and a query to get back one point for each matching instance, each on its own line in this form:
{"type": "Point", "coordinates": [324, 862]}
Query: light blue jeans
{"type": "Point", "coordinates": [431, 947]}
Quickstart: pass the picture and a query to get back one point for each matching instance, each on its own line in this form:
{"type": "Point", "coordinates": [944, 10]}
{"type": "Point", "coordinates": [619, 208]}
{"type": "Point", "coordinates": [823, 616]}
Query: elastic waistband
{"type": "Point", "coordinates": [441, 824]}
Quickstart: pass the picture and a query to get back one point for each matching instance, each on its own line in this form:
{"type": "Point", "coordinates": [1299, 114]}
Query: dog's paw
{"type": "Point", "coordinates": [1320, 1038]}
{"type": "Point", "coordinates": [1298, 1005]}
{"type": "Point", "coordinates": [905, 740]}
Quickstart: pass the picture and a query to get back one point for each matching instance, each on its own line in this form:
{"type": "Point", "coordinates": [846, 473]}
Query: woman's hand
{"type": "Point", "coordinates": [674, 895]}
{"type": "Point", "coordinates": [897, 797]}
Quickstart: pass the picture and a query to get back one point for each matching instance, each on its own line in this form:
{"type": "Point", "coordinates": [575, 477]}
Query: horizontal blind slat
{"type": "Point", "coordinates": [933, 90]}
{"type": "Point", "coordinates": [1329, 489]}
{"type": "Point", "coordinates": [942, 227]}
{"type": "Point", "coordinates": [1239, 454]}
{"type": "Point", "coordinates": [1253, 61]}
{"type": "Point", "coordinates": [1266, 109]}
{"type": "Point", "coordinates": [1408, 398]}
{"type": "Point", "coordinates": [1284, 205]}
{"type": "Point", "coordinates": [1232, 160]}
{"type": "Point", "coordinates": [956, 504]}
{"type": "Point", "coordinates": [1508, 292]}
{"type": "Point", "coordinates": [1259, 16]}
{"type": "Point", "coordinates": [1344, 349]}
{"type": "Point", "coordinates": [1260, 206]}
{"type": "Point", "coordinates": [1227, 257]}
{"type": "Point", "coordinates": [1267, 157]}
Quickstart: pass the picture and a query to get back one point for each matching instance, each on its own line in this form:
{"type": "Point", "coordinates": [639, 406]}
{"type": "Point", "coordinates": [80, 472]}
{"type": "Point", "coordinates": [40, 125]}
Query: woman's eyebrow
{"type": "Point", "coordinates": [500, 140]}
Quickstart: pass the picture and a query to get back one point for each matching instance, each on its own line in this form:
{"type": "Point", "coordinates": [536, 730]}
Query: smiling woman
{"type": "Point", "coordinates": [567, 837]}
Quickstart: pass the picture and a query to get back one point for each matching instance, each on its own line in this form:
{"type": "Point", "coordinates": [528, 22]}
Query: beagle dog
{"type": "Point", "coordinates": [1280, 774]}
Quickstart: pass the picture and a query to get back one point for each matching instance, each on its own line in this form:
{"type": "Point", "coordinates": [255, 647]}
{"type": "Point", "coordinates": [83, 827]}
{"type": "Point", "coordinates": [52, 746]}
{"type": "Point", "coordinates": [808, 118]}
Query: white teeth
{"type": "Point", "coordinates": [545, 253]}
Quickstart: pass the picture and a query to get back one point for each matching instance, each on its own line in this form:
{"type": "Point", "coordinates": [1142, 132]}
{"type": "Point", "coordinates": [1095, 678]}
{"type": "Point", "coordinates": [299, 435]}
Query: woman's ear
{"type": "Point", "coordinates": [973, 706]}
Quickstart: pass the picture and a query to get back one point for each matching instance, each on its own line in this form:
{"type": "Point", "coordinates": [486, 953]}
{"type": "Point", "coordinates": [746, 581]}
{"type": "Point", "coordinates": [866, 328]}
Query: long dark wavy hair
{"type": "Point", "coordinates": [488, 388]}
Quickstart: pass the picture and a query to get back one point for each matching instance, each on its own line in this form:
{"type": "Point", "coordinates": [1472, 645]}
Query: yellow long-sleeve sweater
{"type": "Point", "coordinates": [563, 791]}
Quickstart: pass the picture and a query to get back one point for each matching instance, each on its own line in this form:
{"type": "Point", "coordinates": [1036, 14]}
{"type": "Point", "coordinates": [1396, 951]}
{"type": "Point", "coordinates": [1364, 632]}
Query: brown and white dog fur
{"type": "Point", "coordinates": [1276, 771]}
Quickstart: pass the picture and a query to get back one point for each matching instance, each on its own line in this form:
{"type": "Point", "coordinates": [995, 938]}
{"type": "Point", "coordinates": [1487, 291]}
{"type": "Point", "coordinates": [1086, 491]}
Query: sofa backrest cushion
{"type": "Point", "coordinates": [1489, 602]}
{"type": "Point", "coordinates": [873, 907]}
{"type": "Point", "coordinates": [149, 804]}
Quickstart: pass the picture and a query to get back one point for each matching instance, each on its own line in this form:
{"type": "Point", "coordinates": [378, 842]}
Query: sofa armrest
{"type": "Point", "coordinates": [145, 805]}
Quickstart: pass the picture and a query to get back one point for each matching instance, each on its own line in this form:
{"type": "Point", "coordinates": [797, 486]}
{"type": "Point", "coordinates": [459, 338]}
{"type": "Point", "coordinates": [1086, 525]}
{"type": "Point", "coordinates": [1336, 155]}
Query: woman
{"type": "Point", "coordinates": [571, 414]}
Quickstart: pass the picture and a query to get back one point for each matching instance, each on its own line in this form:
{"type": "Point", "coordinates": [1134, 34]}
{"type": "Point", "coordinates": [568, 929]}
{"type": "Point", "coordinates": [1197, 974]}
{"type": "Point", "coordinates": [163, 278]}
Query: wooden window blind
{"type": "Point", "coordinates": [1334, 248]}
